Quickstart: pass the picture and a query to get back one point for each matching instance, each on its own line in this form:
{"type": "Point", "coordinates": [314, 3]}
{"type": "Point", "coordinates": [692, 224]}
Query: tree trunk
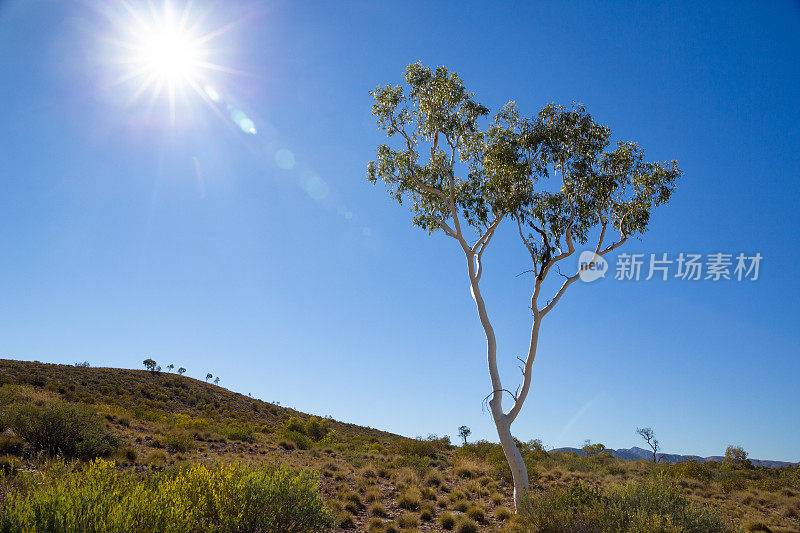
{"type": "Point", "coordinates": [519, 472]}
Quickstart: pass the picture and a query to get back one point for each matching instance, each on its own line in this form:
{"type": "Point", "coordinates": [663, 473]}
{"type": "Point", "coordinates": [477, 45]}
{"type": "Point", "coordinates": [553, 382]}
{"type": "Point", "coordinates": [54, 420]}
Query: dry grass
{"type": "Point", "coordinates": [363, 478]}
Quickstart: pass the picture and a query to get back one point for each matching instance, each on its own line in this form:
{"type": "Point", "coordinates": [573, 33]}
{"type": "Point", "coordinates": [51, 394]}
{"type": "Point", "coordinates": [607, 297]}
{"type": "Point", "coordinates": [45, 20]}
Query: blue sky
{"type": "Point", "coordinates": [267, 258]}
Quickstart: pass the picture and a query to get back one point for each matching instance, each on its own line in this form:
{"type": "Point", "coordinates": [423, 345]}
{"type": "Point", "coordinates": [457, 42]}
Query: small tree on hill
{"type": "Point", "coordinates": [650, 438]}
{"type": "Point", "coordinates": [464, 432]}
{"type": "Point", "coordinates": [170, 367]}
{"type": "Point", "coordinates": [150, 365]}
{"type": "Point", "coordinates": [465, 179]}
{"type": "Point", "coordinates": [216, 380]}
{"type": "Point", "coordinates": [208, 376]}
{"type": "Point", "coordinates": [592, 450]}
{"type": "Point", "coordinates": [736, 456]}
{"type": "Point", "coordinates": [181, 371]}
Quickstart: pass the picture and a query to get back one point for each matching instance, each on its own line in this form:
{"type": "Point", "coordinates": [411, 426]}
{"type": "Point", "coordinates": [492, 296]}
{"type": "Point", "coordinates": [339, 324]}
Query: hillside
{"type": "Point", "coordinates": [369, 480]}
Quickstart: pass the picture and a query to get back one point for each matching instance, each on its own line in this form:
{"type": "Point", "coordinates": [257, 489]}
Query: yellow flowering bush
{"type": "Point", "coordinates": [194, 498]}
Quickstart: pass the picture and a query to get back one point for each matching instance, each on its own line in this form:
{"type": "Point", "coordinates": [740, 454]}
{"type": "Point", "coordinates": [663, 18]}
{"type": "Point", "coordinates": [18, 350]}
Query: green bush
{"type": "Point", "coordinates": [10, 445]}
{"type": "Point", "coordinates": [316, 429]}
{"type": "Point", "coordinates": [194, 498]}
{"type": "Point", "coordinates": [59, 428]}
{"type": "Point", "coordinates": [654, 505]}
{"type": "Point", "coordinates": [447, 521]}
{"type": "Point", "coordinates": [240, 432]}
{"type": "Point", "coordinates": [295, 424]}
{"type": "Point", "coordinates": [178, 441]}
{"type": "Point", "coordinates": [300, 440]}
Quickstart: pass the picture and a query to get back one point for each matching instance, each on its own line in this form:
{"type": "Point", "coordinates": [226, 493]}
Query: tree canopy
{"type": "Point", "coordinates": [453, 171]}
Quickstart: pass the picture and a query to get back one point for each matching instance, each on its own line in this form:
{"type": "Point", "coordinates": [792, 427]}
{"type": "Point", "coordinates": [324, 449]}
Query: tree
{"type": "Point", "coordinates": [465, 180]}
{"type": "Point", "coordinates": [216, 380]}
{"type": "Point", "coordinates": [150, 365]}
{"type": "Point", "coordinates": [181, 371]}
{"type": "Point", "coordinates": [593, 450]}
{"type": "Point", "coordinates": [170, 367]}
{"type": "Point", "coordinates": [208, 376]}
{"type": "Point", "coordinates": [651, 440]}
{"type": "Point", "coordinates": [464, 432]}
{"type": "Point", "coordinates": [736, 456]}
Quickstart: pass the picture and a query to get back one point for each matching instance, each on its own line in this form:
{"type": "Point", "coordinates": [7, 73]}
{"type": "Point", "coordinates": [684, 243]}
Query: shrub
{"type": "Point", "coordinates": [287, 445]}
{"type": "Point", "coordinates": [240, 432]}
{"type": "Point", "coordinates": [352, 501]}
{"type": "Point", "coordinates": [422, 447]}
{"type": "Point", "coordinates": [10, 445]}
{"type": "Point", "coordinates": [695, 470]}
{"type": "Point", "coordinates": [426, 511]}
{"type": "Point", "coordinates": [648, 506]}
{"type": "Point", "coordinates": [503, 513]}
{"type": "Point", "coordinates": [300, 440]}
{"type": "Point", "coordinates": [461, 505]}
{"type": "Point", "coordinates": [295, 424]}
{"type": "Point", "coordinates": [345, 520]}
{"type": "Point", "coordinates": [375, 525]}
{"type": "Point", "coordinates": [447, 521]}
{"type": "Point", "coordinates": [372, 495]}
{"type": "Point", "coordinates": [408, 520]}
{"type": "Point", "coordinates": [178, 441]}
{"type": "Point", "coordinates": [434, 478]}
{"type": "Point", "coordinates": [377, 509]}
{"type": "Point", "coordinates": [316, 429]}
{"type": "Point", "coordinates": [477, 513]}
{"type": "Point", "coordinates": [465, 525]}
{"type": "Point", "coordinates": [410, 499]}
{"type": "Point", "coordinates": [193, 498]}
{"type": "Point", "coordinates": [62, 428]}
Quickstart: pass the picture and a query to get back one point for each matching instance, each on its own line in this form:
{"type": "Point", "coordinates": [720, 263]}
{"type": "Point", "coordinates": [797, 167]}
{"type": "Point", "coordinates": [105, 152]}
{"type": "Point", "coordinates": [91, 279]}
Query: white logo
{"type": "Point", "coordinates": [591, 266]}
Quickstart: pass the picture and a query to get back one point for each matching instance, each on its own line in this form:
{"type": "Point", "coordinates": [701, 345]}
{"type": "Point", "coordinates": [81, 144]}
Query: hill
{"type": "Point", "coordinates": [640, 454]}
{"type": "Point", "coordinates": [155, 427]}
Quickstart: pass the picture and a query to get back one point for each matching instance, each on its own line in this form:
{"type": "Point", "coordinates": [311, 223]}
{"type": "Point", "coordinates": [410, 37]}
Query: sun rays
{"type": "Point", "coordinates": [162, 51]}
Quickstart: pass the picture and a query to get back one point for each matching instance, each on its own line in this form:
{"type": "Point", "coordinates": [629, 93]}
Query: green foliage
{"type": "Point", "coordinates": [429, 446]}
{"type": "Point", "coordinates": [464, 432]}
{"type": "Point", "coordinates": [480, 173]}
{"type": "Point", "coordinates": [503, 513]}
{"type": "Point", "coordinates": [295, 424]}
{"type": "Point", "coordinates": [61, 428]}
{"type": "Point", "coordinates": [300, 440]}
{"type": "Point", "coordinates": [179, 441]}
{"type": "Point", "coordinates": [447, 520]}
{"type": "Point", "coordinates": [150, 365]}
{"type": "Point", "coordinates": [736, 457]}
{"type": "Point", "coordinates": [10, 445]}
{"type": "Point", "coordinates": [695, 470]}
{"type": "Point", "coordinates": [189, 499]}
{"type": "Point", "coordinates": [654, 505]}
{"type": "Point", "coordinates": [240, 432]}
{"type": "Point", "coordinates": [592, 450]}
{"type": "Point", "coordinates": [410, 499]}
{"type": "Point", "coordinates": [465, 525]}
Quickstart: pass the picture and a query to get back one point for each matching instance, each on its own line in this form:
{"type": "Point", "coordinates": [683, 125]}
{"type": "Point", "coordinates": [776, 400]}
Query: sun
{"type": "Point", "coordinates": [169, 54]}
{"type": "Point", "coordinates": [162, 49]}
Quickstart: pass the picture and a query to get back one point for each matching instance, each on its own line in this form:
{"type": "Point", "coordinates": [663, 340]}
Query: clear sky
{"type": "Point", "coordinates": [236, 233]}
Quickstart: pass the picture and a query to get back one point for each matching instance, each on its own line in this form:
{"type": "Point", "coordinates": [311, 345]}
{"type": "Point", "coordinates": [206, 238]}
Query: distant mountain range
{"type": "Point", "coordinates": [636, 453]}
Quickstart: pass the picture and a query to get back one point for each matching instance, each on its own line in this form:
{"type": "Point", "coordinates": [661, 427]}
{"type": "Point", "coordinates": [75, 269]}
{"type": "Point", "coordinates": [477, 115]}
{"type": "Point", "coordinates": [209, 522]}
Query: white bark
{"type": "Point", "coordinates": [502, 421]}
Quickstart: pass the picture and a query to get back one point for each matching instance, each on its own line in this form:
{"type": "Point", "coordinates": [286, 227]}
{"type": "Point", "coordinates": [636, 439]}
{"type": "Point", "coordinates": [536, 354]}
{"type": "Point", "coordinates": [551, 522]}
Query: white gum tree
{"type": "Point", "coordinates": [466, 180]}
